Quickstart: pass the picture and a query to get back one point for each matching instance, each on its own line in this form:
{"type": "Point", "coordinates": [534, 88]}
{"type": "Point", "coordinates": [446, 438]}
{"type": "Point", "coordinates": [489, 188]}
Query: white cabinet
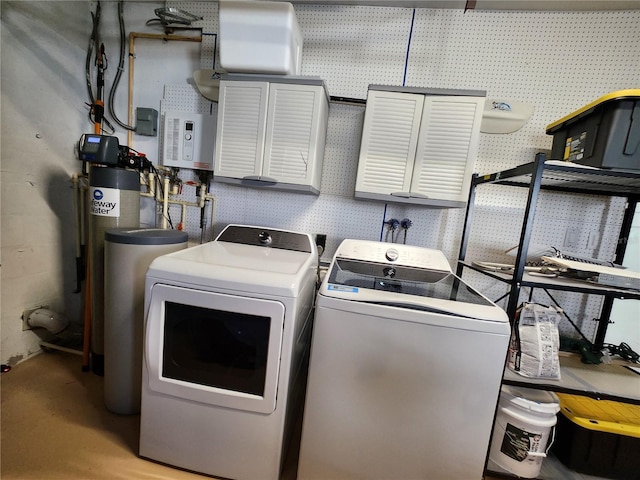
{"type": "Point", "coordinates": [271, 134]}
{"type": "Point", "coordinates": [418, 147]}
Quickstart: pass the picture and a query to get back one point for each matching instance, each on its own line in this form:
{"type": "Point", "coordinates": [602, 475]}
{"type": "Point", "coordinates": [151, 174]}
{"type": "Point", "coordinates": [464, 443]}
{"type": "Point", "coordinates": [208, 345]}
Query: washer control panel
{"type": "Point", "coordinates": [393, 254]}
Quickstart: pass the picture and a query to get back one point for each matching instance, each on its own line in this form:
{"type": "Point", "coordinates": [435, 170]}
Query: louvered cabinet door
{"type": "Point", "coordinates": [242, 114]}
{"type": "Point", "coordinates": [447, 147]}
{"type": "Point", "coordinates": [389, 140]}
{"type": "Point", "coordinates": [295, 118]}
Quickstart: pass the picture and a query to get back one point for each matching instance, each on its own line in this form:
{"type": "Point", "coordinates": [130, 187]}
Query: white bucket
{"type": "Point", "coordinates": [524, 425]}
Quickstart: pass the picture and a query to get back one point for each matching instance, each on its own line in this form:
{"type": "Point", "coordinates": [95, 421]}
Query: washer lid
{"type": "Point", "coordinates": [415, 278]}
{"type": "Point", "coordinates": [393, 254]}
{"type": "Point", "coordinates": [398, 285]}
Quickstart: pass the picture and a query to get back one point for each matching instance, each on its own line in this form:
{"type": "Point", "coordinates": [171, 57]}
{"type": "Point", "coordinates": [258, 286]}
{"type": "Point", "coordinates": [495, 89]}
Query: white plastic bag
{"type": "Point", "coordinates": [535, 342]}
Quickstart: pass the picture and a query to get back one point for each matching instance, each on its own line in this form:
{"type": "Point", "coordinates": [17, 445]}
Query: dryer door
{"type": "Point", "coordinates": [214, 348]}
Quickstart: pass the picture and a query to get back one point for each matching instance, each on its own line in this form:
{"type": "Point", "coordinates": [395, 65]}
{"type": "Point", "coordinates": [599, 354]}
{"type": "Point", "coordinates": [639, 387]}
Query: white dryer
{"type": "Point", "coordinates": [405, 370]}
{"type": "Point", "coordinates": [227, 331]}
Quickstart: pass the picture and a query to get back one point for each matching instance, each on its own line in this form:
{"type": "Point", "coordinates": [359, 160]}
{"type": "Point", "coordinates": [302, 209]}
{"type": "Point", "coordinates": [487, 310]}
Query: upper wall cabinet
{"type": "Point", "coordinates": [419, 145]}
{"type": "Point", "coordinates": [271, 132]}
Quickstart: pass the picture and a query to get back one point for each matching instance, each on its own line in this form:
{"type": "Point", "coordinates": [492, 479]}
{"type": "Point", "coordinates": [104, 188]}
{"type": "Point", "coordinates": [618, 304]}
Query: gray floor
{"type": "Point", "coordinates": [552, 469]}
{"type": "Point", "coordinates": [54, 425]}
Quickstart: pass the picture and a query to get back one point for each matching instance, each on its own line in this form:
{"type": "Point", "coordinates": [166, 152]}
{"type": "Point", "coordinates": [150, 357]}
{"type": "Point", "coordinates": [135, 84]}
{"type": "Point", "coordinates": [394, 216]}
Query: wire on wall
{"type": "Point", "coordinates": [96, 105]}
{"type": "Point", "coordinates": [384, 221]}
{"type": "Point", "coordinates": [93, 40]}
{"type": "Point", "coordinates": [116, 81]}
{"type": "Point", "coordinates": [215, 46]}
{"type": "Point", "coordinates": [406, 61]}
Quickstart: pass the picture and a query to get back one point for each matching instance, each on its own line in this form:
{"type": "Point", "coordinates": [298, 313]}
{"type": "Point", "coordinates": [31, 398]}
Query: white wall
{"type": "Point", "coordinates": [43, 95]}
{"type": "Point", "coordinates": [43, 48]}
{"type": "Point", "coordinates": [558, 61]}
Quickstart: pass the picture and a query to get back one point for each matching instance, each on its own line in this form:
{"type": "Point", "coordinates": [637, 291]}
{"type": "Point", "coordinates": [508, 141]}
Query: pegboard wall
{"type": "Point", "coordinates": [557, 61]}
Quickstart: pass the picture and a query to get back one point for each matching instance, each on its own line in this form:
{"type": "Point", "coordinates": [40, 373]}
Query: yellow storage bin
{"type": "Point", "coordinates": [601, 415]}
{"type": "Point", "coordinates": [598, 437]}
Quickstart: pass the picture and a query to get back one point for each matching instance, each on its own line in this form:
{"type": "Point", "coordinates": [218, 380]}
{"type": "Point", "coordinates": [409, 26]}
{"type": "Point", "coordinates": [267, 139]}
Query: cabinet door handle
{"type": "Point", "coordinates": [409, 195]}
{"type": "Point", "coordinates": [263, 180]}
{"type": "Point", "coordinates": [269, 179]}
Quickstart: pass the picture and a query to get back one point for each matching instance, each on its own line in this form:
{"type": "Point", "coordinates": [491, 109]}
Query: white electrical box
{"type": "Point", "coordinates": [188, 140]}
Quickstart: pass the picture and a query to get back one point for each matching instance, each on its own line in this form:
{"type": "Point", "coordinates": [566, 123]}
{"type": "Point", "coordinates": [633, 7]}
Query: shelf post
{"type": "Point", "coordinates": [607, 304]}
{"type": "Point", "coordinates": [466, 229]}
{"type": "Point", "coordinates": [525, 235]}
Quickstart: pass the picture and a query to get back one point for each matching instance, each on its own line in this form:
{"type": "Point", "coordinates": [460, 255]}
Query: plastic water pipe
{"type": "Point", "coordinates": [203, 196]}
{"type": "Point", "coordinates": [48, 319]}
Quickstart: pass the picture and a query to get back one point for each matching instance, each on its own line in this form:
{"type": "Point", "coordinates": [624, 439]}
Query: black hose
{"type": "Point", "coordinates": [93, 40]}
{"type": "Point", "coordinates": [116, 80]}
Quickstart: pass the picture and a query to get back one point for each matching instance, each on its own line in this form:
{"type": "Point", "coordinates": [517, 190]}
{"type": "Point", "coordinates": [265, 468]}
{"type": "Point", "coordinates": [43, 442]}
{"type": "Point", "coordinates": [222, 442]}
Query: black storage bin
{"type": "Point", "coordinates": [603, 134]}
{"type": "Point", "coordinates": [586, 439]}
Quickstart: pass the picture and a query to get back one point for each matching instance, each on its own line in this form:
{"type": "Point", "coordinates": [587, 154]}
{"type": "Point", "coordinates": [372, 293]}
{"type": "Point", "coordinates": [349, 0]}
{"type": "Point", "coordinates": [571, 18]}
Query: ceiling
{"type": "Point", "coordinates": [562, 5]}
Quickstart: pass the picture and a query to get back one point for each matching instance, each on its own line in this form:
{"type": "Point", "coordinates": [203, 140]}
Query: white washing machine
{"type": "Point", "coordinates": [405, 370]}
{"type": "Point", "coordinates": [227, 332]}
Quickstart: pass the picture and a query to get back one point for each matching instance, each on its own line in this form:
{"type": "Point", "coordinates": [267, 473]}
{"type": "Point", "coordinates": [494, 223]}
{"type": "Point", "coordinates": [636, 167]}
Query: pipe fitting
{"type": "Point", "coordinates": [52, 321]}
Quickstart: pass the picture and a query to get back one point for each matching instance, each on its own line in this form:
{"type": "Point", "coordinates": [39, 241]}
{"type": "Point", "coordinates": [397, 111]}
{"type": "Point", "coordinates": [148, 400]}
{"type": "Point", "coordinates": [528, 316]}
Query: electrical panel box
{"type": "Point", "coordinates": [147, 121]}
{"type": "Point", "coordinates": [188, 140]}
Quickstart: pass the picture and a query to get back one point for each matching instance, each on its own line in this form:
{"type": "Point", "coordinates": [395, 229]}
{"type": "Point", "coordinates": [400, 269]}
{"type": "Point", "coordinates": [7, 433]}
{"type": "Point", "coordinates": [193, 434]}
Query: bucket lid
{"type": "Point", "coordinates": [540, 401]}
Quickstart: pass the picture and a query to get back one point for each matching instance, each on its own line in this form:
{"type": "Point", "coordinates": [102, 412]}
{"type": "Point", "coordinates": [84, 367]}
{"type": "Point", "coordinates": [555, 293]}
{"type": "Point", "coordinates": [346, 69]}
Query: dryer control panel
{"type": "Point", "coordinates": [266, 237]}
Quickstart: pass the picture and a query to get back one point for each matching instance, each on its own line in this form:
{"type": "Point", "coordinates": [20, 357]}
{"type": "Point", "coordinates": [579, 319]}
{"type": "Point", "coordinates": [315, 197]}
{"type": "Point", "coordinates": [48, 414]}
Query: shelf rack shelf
{"type": "Point", "coordinates": [556, 176]}
{"type": "Point", "coordinates": [559, 283]}
{"type": "Point", "coordinates": [538, 176]}
{"type": "Point", "coordinates": [614, 381]}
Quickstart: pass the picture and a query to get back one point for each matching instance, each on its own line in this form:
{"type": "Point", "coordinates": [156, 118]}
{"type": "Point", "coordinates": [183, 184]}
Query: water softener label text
{"type": "Point", "coordinates": [105, 202]}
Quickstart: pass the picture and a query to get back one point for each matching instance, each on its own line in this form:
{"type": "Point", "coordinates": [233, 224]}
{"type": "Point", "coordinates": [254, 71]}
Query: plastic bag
{"type": "Point", "coordinates": [535, 342]}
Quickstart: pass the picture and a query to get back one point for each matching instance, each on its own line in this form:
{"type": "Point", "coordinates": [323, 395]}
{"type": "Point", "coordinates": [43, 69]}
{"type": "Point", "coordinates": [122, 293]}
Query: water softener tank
{"type": "Point", "coordinates": [127, 256]}
{"type": "Point", "coordinates": [114, 202]}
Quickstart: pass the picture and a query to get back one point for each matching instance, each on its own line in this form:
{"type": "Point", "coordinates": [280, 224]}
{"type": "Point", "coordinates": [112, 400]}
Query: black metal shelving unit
{"type": "Point", "coordinates": [604, 382]}
{"type": "Point", "coordinates": [537, 177]}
